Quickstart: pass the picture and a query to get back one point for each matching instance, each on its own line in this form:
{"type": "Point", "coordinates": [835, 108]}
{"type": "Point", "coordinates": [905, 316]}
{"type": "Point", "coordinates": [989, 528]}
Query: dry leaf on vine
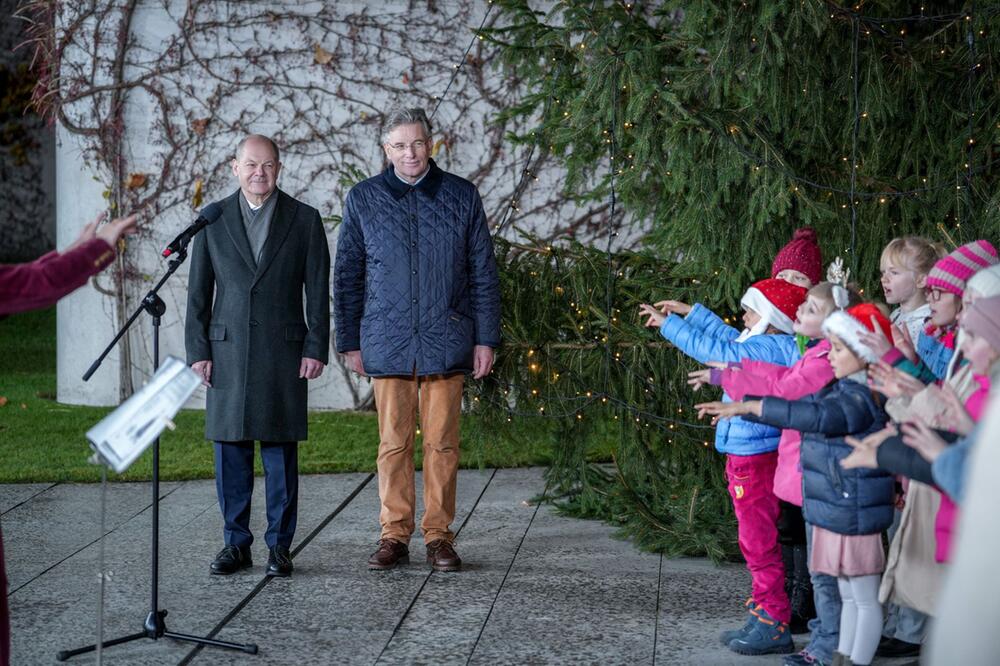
{"type": "Point", "coordinates": [323, 57]}
{"type": "Point", "coordinates": [136, 181]}
{"type": "Point", "coordinates": [198, 195]}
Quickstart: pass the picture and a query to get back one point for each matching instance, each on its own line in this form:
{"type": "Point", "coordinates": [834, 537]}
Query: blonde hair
{"type": "Point", "coordinates": [824, 292]}
{"type": "Point", "coordinates": [914, 253]}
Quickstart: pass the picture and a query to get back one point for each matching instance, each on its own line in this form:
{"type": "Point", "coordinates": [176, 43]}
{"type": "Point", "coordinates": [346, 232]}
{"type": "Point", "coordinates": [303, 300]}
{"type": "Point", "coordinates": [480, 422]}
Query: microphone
{"type": "Point", "coordinates": [209, 214]}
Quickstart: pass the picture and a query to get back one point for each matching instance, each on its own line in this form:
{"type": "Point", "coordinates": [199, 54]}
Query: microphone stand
{"type": "Point", "coordinates": [154, 626]}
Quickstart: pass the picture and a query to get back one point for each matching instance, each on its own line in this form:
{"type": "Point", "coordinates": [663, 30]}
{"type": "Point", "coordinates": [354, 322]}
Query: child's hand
{"type": "Point", "coordinates": [865, 453]}
{"type": "Point", "coordinates": [891, 382]}
{"type": "Point", "coordinates": [904, 343]}
{"type": "Point", "coordinates": [725, 410]}
{"type": "Point", "coordinates": [656, 318]}
{"type": "Point", "coordinates": [876, 340]}
{"type": "Point", "coordinates": [699, 378]}
{"type": "Point", "coordinates": [676, 307]}
{"type": "Point", "coordinates": [920, 436]}
{"type": "Point", "coordinates": [954, 417]}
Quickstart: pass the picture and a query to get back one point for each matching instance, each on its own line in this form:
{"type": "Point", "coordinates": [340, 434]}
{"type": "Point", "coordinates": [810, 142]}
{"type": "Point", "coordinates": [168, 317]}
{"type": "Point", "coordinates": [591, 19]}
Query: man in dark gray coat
{"type": "Point", "coordinates": [248, 338]}
{"type": "Point", "coordinates": [417, 307]}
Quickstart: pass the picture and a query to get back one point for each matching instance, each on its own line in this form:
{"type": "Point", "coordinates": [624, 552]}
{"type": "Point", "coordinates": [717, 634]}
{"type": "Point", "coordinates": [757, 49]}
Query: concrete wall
{"type": "Point", "coordinates": [316, 76]}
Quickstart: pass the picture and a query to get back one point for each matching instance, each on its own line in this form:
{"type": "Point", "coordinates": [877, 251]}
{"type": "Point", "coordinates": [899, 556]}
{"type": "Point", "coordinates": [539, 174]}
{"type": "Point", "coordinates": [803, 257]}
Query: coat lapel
{"type": "Point", "coordinates": [233, 221]}
{"type": "Point", "coordinates": [281, 224]}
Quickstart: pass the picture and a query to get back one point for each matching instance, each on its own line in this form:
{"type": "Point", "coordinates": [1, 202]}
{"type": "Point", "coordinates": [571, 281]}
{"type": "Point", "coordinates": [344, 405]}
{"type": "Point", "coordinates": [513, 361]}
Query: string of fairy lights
{"type": "Point", "coordinates": [575, 407]}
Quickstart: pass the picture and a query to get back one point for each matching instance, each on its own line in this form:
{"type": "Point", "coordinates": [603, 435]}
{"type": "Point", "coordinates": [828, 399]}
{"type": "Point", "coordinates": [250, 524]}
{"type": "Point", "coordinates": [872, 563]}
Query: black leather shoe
{"type": "Point", "coordinates": [279, 562]}
{"type": "Point", "coordinates": [230, 560]}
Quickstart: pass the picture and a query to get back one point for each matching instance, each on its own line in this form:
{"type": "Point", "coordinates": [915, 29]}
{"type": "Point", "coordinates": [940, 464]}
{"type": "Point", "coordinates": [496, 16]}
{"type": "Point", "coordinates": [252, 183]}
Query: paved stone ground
{"type": "Point", "coordinates": [537, 588]}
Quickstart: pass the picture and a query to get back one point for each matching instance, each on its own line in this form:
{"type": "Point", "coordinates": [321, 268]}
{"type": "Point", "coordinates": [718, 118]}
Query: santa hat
{"type": "Point", "coordinates": [982, 319]}
{"type": "Point", "coordinates": [848, 325]}
{"type": "Point", "coordinates": [952, 272]}
{"type": "Point", "coordinates": [801, 254]}
{"type": "Point", "coordinates": [776, 302]}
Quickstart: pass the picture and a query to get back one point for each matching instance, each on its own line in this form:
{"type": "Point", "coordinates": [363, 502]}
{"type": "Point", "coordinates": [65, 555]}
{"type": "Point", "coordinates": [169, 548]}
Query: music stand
{"type": "Point", "coordinates": [154, 627]}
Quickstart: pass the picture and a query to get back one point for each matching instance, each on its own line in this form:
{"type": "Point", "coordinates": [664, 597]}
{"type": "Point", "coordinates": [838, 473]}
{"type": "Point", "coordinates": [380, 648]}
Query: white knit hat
{"type": "Point", "coordinates": [986, 283]}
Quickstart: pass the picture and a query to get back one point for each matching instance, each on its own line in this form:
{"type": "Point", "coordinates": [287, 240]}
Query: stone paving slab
{"type": "Point", "coordinates": [444, 624]}
{"type": "Point", "coordinates": [59, 522]}
{"type": "Point", "coordinates": [190, 536]}
{"type": "Point", "coordinates": [13, 494]}
{"type": "Point", "coordinates": [573, 590]}
{"type": "Point", "coordinates": [537, 588]}
{"type": "Point", "coordinates": [334, 610]}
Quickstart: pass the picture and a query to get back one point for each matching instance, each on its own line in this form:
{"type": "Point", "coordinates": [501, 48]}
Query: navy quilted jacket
{"type": "Point", "coordinates": [415, 279]}
{"type": "Point", "coordinates": [845, 501]}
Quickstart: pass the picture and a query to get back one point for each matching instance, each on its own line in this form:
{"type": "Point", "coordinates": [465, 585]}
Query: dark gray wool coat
{"type": "Point", "coordinates": [415, 283]}
{"type": "Point", "coordinates": [248, 320]}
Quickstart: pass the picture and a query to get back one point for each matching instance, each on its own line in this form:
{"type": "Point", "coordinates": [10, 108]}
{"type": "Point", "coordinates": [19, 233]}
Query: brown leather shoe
{"type": "Point", "coordinates": [390, 553]}
{"type": "Point", "coordinates": [441, 556]}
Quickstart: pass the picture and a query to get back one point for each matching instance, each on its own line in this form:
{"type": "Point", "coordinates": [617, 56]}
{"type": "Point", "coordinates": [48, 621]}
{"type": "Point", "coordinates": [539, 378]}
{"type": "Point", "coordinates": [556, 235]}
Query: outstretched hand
{"type": "Point", "coordinates": [920, 436]}
{"type": "Point", "coordinates": [673, 307]}
{"type": "Point", "coordinates": [655, 318]}
{"type": "Point", "coordinates": [876, 340]}
{"type": "Point", "coordinates": [865, 453]}
{"type": "Point", "coordinates": [724, 410]}
{"type": "Point", "coordinates": [954, 417]}
{"type": "Point", "coordinates": [698, 378]}
{"type": "Point", "coordinates": [904, 343]}
{"type": "Point", "coordinates": [892, 382]}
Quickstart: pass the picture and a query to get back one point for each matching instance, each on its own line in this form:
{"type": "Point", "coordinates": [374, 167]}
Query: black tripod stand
{"type": "Point", "coordinates": [154, 627]}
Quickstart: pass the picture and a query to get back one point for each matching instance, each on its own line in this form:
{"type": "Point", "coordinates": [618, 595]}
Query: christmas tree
{"type": "Point", "coordinates": [717, 128]}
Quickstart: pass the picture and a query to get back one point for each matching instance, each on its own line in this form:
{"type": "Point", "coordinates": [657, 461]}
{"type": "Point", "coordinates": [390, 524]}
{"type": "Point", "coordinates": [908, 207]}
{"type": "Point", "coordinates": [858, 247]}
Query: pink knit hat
{"type": "Point", "coordinates": [800, 254]}
{"type": "Point", "coordinates": [951, 272]}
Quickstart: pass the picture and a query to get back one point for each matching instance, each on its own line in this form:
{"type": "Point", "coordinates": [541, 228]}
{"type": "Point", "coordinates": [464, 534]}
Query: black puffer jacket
{"type": "Point", "coordinates": [845, 501]}
{"type": "Point", "coordinates": [415, 279]}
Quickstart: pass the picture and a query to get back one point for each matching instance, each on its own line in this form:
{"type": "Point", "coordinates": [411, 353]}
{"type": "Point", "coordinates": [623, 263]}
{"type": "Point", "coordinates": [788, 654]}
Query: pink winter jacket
{"type": "Point", "coordinates": [758, 378]}
{"type": "Point", "coordinates": [947, 515]}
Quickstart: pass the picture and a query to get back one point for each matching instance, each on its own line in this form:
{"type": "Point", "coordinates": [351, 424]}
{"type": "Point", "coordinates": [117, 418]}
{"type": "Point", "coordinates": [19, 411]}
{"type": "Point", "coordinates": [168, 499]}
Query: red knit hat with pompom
{"type": "Point", "coordinates": [802, 254]}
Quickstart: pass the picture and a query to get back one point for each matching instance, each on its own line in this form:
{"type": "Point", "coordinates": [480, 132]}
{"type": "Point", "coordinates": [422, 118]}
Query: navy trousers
{"type": "Point", "coordinates": [234, 485]}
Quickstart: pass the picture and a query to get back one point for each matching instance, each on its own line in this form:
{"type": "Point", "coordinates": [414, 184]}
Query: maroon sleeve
{"type": "Point", "coordinates": [4, 613]}
{"type": "Point", "coordinates": [42, 282]}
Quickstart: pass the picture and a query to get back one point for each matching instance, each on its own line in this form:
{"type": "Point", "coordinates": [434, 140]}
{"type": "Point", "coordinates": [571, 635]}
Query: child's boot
{"type": "Point", "coordinates": [766, 636]}
{"type": "Point", "coordinates": [726, 636]}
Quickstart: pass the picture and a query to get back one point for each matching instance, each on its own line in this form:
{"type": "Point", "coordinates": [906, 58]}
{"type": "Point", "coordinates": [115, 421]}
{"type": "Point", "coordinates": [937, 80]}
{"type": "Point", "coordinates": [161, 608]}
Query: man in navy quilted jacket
{"type": "Point", "coordinates": [416, 307]}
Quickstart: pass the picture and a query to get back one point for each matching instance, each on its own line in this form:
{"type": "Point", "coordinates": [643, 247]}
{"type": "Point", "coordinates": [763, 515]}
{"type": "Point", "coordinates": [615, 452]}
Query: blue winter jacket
{"type": "Point", "coordinates": [415, 278]}
{"type": "Point", "coordinates": [703, 336]}
{"type": "Point", "coordinates": [845, 501]}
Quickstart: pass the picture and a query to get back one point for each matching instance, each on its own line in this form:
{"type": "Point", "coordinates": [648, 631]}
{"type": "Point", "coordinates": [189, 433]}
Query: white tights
{"type": "Point", "coordinates": [860, 617]}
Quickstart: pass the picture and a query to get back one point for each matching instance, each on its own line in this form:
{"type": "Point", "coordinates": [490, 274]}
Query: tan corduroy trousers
{"type": "Point", "coordinates": [397, 400]}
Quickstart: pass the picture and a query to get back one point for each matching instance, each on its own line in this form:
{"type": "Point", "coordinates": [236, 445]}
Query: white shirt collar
{"type": "Point", "coordinates": [414, 183]}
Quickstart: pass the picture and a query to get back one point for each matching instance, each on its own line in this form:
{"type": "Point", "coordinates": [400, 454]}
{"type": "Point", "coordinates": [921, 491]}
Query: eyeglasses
{"type": "Point", "coordinates": [934, 294]}
{"type": "Point", "coordinates": [416, 146]}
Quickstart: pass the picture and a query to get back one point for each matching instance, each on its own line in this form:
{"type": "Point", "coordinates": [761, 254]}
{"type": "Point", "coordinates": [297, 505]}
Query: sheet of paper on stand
{"type": "Point", "coordinates": [125, 433]}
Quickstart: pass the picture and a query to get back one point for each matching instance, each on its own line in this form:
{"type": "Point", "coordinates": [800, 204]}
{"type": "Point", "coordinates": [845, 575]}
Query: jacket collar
{"type": "Point", "coordinates": [429, 185]}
